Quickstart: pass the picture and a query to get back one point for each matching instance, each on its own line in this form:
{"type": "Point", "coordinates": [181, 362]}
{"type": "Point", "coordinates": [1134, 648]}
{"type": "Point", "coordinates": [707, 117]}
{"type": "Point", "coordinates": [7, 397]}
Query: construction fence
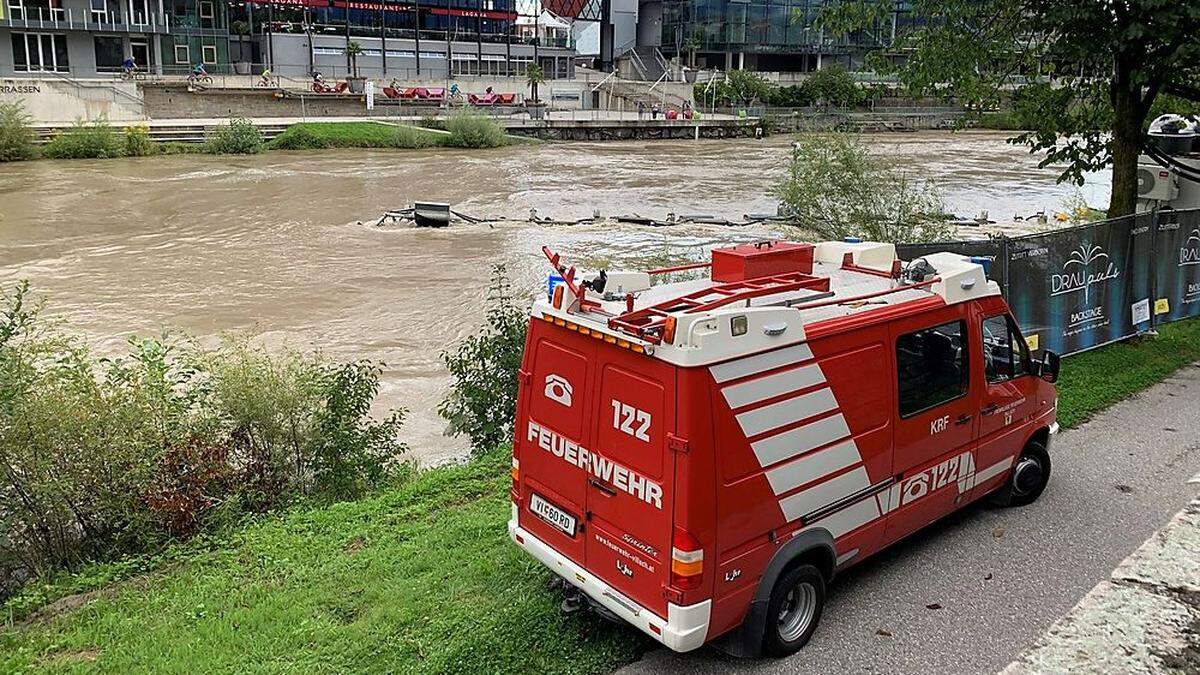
{"type": "Point", "coordinates": [1081, 287]}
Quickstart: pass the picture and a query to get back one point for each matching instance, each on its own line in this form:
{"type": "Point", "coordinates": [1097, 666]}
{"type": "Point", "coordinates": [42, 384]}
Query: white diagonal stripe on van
{"type": "Point", "coordinates": [789, 411]}
{"type": "Point", "coordinates": [850, 518]}
{"type": "Point", "coordinates": [800, 440]}
{"type": "Point", "coordinates": [763, 388]}
{"type": "Point", "coordinates": [759, 363]}
{"type": "Point", "coordinates": [808, 468]}
{"type": "Point", "coordinates": [986, 474]}
{"type": "Point", "coordinates": [826, 493]}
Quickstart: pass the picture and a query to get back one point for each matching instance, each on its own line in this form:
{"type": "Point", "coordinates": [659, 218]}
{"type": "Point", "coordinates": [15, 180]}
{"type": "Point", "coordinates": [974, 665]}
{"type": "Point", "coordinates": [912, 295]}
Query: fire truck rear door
{"type": "Point", "coordinates": [632, 474]}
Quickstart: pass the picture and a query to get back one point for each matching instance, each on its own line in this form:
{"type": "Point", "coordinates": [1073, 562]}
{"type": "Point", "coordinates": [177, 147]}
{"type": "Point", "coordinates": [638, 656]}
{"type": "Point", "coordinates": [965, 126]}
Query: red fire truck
{"type": "Point", "coordinates": [700, 458]}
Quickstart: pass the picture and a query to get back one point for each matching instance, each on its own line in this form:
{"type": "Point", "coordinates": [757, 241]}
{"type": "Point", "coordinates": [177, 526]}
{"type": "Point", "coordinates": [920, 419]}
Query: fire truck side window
{"type": "Point", "coordinates": [931, 366]}
{"type": "Point", "coordinates": [1005, 354]}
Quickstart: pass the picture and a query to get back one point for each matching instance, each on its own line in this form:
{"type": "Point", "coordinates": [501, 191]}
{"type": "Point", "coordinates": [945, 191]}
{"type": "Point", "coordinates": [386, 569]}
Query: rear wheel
{"type": "Point", "coordinates": [1028, 479]}
{"type": "Point", "coordinates": [794, 610]}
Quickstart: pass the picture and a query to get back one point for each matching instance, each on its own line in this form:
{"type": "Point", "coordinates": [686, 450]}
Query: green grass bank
{"type": "Point", "coordinates": [419, 578]}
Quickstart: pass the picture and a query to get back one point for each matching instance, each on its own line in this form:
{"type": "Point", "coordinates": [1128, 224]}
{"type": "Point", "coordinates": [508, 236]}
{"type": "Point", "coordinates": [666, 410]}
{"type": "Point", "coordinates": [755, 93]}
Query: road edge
{"type": "Point", "coordinates": [1145, 618]}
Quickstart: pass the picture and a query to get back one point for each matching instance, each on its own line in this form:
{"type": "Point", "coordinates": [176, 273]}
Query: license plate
{"type": "Point", "coordinates": [552, 514]}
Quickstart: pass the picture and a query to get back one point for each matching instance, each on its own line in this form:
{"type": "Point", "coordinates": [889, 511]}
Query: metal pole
{"type": "Point", "coordinates": [1154, 221]}
{"type": "Point", "coordinates": [383, 34]}
{"type": "Point", "coordinates": [417, 33]}
{"type": "Point", "coordinates": [348, 73]}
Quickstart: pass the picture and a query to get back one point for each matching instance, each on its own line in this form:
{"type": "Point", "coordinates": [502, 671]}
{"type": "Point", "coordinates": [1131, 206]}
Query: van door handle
{"type": "Point", "coordinates": [602, 487]}
{"type": "Point", "coordinates": [989, 408]}
{"type": "Point", "coordinates": [963, 419]}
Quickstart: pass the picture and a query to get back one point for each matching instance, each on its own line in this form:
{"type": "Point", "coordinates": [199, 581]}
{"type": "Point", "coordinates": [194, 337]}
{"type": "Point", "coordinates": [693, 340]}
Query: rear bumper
{"type": "Point", "coordinates": [684, 629]}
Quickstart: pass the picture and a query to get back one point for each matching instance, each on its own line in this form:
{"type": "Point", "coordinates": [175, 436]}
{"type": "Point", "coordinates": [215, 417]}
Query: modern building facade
{"type": "Point", "coordinates": [85, 38]}
{"type": "Point", "coordinates": [412, 39]}
{"type": "Point", "coordinates": [763, 35]}
{"type": "Point", "coordinates": [402, 39]}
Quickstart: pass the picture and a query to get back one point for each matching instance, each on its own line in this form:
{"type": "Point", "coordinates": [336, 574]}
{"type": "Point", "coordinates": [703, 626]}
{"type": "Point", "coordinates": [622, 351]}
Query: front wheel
{"type": "Point", "coordinates": [1028, 479]}
{"type": "Point", "coordinates": [794, 610]}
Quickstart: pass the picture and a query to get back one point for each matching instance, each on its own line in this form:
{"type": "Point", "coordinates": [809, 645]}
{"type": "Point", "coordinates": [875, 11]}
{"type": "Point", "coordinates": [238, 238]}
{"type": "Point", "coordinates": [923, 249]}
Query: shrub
{"type": "Point", "coordinates": [472, 130]}
{"type": "Point", "coordinates": [103, 456]}
{"type": "Point", "coordinates": [833, 86]}
{"type": "Point", "coordinates": [179, 148]}
{"type": "Point", "coordinates": [138, 142]}
{"type": "Point", "coordinates": [16, 136]}
{"type": "Point", "coordinates": [239, 137]}
{"type": "Point", "coordinates": [484, 366]}
{"type": "Point", "coordinates": [85, 140]}
{"type": "Point", "coordinates": [835, 188]}
{"type": "Point", "coordinates": [299, 137]}
{"type": "Point", "coordinates": [413, 139]}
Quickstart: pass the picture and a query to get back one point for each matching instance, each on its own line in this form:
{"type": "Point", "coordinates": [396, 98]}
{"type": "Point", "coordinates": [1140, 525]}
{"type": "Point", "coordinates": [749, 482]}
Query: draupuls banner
{"type": "Point", "coordinates": [1079, 287]}
{"type": "Point", "coordinates": [1177, 265]}
{"type": "Point", "coordinates": [1074, 289]}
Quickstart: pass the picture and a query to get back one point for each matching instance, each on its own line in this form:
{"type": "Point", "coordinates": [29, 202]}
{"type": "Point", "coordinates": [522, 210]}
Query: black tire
{"type": "Point", "coordinates": [1028, 479]}
{"type": "Point", "coordinates": [800, 588]}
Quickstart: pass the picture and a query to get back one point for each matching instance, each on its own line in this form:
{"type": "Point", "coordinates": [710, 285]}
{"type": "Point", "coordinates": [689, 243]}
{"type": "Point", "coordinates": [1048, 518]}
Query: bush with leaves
{"type": "Point", "coordinates": [483, 399]}
{"type": "Point", "coordinates": [472, 130]}
{"type": "Point", "coordinates": [836, 188]}
{"type": "Point", "coordinates": [239, 137]}
{"type": "Point", "coordinates": [16, 134]}
{"type": "Point", "coordinates": [833, 86]}
{"type": "Point", "coordinates": [138, 142]}
{"type": "Point", "coordinates": [85, 140]}
{"type": "Point", "coordinates": [299, 137]}
{"type": "Point", "coordinates": [104, 456]}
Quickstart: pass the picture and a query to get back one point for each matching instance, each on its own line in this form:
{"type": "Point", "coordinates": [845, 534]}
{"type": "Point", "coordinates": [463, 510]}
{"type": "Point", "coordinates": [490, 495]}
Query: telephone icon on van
{"type": "Point", "coordinates": [558, 389]}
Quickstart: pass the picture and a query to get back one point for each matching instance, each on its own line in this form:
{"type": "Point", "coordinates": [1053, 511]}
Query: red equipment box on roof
{"type": "Point", "coordinates": [762, 259]}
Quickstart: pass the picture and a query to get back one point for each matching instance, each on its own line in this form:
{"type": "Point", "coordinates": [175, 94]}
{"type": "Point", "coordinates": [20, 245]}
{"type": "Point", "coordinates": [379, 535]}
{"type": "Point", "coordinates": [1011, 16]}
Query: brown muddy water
{"type": "Point", "coordinates": [270, 245]}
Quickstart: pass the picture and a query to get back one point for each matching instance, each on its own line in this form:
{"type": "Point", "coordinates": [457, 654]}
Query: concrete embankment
{"type": "Point", "coordinates": [1145, 618]}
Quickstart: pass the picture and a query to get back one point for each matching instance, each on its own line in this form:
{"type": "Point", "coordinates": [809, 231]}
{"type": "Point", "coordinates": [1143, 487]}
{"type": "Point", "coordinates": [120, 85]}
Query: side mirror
{"type": "Point", "coordinates": [1047, 366]}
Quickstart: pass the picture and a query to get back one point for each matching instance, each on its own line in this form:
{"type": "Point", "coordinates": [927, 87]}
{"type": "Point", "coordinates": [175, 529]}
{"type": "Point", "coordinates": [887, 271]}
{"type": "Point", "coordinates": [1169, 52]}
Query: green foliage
{"type": "Point", "coordinates": [16, 136]}
{"type": "Point", "coordinates": [354, 50]}
{"type": "Point", "coordinates": [471, 130]}
{"type": "Point", "coordinates": [417, 579]}
{"type": "Point", "coordinates": [533, 77]}
{"type": "Point", "coordinates": [833, 86]}
{"type": "Point", "coordinates": [743, 87]}
{"type": "Point", "coordinates": [239, 137]}
{"type": "Point", "coordinates": [1107, 64]}
{"type": "Point", "coordinates": [138, 142]}
{"type": "Point", "coordinates": [835, 188]}
{"type": "Point", "coordinates": [413, 138]}
{"type": "Point", "coordinates": [103, 456]}
{"type": "Point", "coordinates": [484, 366]}
{"type": "Point", "coordinates": [299, 137]}
{"type": "Point", "coordinates": [319, 135]}
{"type": "Point", "coordinates": [85, 140]}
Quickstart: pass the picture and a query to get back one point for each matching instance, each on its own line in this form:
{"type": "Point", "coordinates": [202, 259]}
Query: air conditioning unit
{"type": "Point", "coordinates": [1157, 183]}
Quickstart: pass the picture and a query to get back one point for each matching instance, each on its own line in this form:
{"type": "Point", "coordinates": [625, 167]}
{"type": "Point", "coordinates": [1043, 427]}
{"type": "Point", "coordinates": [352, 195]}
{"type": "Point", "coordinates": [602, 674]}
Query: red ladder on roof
{"type": "Point", "coordinates": [648, 323]}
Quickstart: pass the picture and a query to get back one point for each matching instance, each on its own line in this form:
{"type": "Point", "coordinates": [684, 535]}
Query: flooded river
{"type": "Point", "coordinates": [271, 244]}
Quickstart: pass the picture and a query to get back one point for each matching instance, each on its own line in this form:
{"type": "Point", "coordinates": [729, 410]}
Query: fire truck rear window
{"type": "Point", "coordinates": [931, 366]}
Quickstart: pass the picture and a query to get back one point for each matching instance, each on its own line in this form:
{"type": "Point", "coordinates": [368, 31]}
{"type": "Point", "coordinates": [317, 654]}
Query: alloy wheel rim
{"type": "Point", "coordinates": [1027, 475]}
{"type": "Point", "coordinates": [797, 612]}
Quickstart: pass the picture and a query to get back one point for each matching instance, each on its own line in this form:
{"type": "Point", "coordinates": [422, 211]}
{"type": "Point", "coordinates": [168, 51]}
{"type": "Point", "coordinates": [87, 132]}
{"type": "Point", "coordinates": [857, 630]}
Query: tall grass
{"type": "Point", "coordinates": [238, 137]}
{"type": "Point", "coordinates": [471, 130]}
{"type": "Point", "coordinates": [16, 136]}
{"type": "Point", "coordinates": [85, 140]}
{"type": "Point", "coordinates": [104, 456]}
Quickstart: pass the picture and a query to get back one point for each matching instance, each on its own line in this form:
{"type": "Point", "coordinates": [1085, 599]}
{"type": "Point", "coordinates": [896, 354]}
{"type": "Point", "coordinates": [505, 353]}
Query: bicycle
{"type": "Point", "coordinates": [200, 81]}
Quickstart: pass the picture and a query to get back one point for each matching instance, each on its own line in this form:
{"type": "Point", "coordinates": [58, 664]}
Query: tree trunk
{"type": "Point", "coordinates": [1129, 112]}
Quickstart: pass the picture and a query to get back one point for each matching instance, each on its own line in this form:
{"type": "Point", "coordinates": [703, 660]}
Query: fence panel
{"type": "Point", "coordinates": [1075, 289]}
{"type": "Point", "coordinates": [1177, 265]}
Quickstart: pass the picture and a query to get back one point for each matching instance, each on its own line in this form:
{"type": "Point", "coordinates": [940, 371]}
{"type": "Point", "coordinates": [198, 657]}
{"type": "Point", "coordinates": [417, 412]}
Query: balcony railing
{"type": "Point", "coordinates": [58, 18]}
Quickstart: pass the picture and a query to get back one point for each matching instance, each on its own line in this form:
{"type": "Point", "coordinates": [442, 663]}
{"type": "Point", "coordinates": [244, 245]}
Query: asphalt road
{"type": "Point", "coordinates": [1002, 576]}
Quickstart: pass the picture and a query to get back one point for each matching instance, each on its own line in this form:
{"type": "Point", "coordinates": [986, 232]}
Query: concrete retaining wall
{"type": "Point", "coordinates": [50, 100]}
{"type": "Point", "coordinates": [174, 101]}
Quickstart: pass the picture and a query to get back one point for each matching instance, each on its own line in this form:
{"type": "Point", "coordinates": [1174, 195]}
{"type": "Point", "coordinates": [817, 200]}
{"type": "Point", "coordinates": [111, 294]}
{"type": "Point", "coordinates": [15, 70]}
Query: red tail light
{"type": "Point", "coordinates": [687, 561]}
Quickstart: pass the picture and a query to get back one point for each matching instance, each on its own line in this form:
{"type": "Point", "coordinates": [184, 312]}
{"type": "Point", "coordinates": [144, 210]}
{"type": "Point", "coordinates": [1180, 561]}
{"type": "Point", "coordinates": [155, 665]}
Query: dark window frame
{"type": "Point", "coordinates": [1015, 337]}
{"type": "Point", "coordinates": [965, 377]}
